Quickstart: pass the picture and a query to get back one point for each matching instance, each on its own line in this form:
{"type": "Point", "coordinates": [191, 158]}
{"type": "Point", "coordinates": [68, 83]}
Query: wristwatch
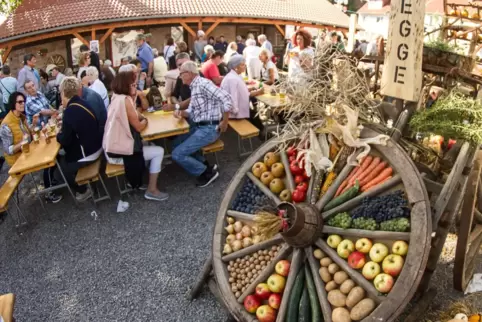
{"type": "Point", "coordinates": [177, 107]}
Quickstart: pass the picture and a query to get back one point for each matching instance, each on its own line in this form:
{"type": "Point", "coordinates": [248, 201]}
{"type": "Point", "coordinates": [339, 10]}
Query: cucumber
{"type": "Point", "coordinates": [316, 315]}
{"type": "Point", "coordinates": [344, 197]}
{"type": "Point", "coordinates": [295, 296]}
{"type": "Point", "coordinates": [305, 309]}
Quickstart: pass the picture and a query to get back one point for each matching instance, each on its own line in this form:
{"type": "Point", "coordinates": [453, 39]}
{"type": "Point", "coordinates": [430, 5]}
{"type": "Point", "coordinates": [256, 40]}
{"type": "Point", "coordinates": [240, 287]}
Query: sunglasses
{"type": "Point", "coordinates": [20, 102]}
{"type": "Point", "coordinates": [134, 85]}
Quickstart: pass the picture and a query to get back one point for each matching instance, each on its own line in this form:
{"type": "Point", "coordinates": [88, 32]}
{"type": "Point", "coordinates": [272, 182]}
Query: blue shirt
{"type": "Point", "coordinates": [27, 73]}
{"type": "Point", "coordinates": [144, 54]}
{"type": "Point", "coordinates": [241, 47]}
{"type": "Point", "coordinates": [8, 85]}
{"type": "Point", "coordinates": [34, 105]}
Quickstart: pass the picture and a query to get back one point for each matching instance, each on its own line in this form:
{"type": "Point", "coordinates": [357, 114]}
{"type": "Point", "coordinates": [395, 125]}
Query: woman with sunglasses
{"type": "Point", "coordinates": [14, 130]}
{"type": "Point", "coordinates": [84, 62]}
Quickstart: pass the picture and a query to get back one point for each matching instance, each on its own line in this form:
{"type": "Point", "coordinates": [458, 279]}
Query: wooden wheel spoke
{"type": "Point", "coordinates": [240, 215]}
{"type": "Point", "coordinates": [354, 275]}
{"type": "Point", "coordinates": [475, 239]}
{"type": "Point", "coordinates": [320, 285]}
{"type": "Point", "coordinates": [253, 248]}
{"type": "Point", "coordinates": [372, 234]}
{"type": "Point", "coordinates": [289, 176]}
{"type": "Point", "coordinates": [263, 276]}
{"type": "Point", "coordinates": [263, 188]}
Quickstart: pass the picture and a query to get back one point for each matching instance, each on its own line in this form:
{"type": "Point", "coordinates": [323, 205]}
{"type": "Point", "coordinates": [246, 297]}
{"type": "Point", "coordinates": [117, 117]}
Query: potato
{"type": "Point", "coordinates": [340, 277]}
{"type": "Point", "coordinates": [337, 298]}
{"type": "Point", "coordinates": [347, 285]}
{"type": "Point", "coordinates": [340, 314]}
{"type": "Point", "coordinates": [362, 309]}
{"type": "Point", "coordinates": [331, 286]}
{"type": "Point", "coordinates": [356, 295]}
{"type": "Point", "coordinates": [325, 262]}
{"type": "Point", "coordinates": [319, 254]}
{"type": "Point", "coordinates": [333, 268]}
{"type": "Point", "coordinates": [325, 275]}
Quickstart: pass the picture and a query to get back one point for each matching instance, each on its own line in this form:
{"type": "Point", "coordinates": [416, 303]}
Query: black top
{"type": "Point", "coordinates": [223, 46]}
{"type": "Point", "coordinates": [95, 61]}
{"type": "Point", "coordinates": [181, 90]}
{"type": "Point", "coordinates": [241, 47]}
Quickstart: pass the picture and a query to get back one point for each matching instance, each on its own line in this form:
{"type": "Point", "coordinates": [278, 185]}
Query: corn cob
{"type": "Point", "coordinates": [341, 158]}
{"type": "Point", "coordinates": [317, 186]}
{"type": "Point", "coordinates": [330, 178]}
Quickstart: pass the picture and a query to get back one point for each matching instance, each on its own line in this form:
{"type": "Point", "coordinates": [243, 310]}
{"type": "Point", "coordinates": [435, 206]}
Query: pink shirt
{"type": "Point", "coordinates": [235, 86]}
{"type": "Point", "coordinates": [210, 70]}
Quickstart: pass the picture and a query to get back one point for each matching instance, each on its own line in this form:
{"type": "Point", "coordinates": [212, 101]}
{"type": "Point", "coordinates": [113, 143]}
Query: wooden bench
{"type": "Point", "coordinates": [213, 148]}
{"type": "Point", "coordinates": [116, 170]}
{"type": "Point", "coordinates": [245, 130]}
{"type": "Point", "coordinates": [90, 174]}
{"type": "Point", "coordinates": [7, 304]}
{"type": "Point", "coordinates": [6, 192]}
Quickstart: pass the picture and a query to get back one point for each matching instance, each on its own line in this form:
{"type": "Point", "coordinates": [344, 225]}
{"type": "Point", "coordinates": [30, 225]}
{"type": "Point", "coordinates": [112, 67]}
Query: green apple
{"type": "Point", "coordinates": [378, 252]}
{"type": "Point", "coordinates": [333, 241]}
{"type": "Point", "coordinates": [363, 245]}
{"type": "Point", "coordinates": [370, 270]}
{"type": "Point", "coordinates": [400, 247]}
{"type": "Point", "coordinates": [345, 248]}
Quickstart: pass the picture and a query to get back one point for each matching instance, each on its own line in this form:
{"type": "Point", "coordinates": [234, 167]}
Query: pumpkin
{"type": "Point", "coordinates": [452, 12]}
{"type": "Point", "coordinates": [464, 13]}
{"type": "Point", "coordinates": [475, 318]}
{"type": "Point", "coordinates": [475, 16]}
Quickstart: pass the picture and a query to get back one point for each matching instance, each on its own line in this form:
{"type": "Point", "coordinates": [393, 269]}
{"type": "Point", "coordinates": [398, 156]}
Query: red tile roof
{"type": "Point", "coordinates": [43, 15]}
{"type": "Point", "coordinates": [431, 7]}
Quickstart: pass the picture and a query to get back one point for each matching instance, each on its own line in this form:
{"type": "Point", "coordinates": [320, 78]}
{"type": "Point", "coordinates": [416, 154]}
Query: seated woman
{"type": "Point", "coordinates": [13, 131]}
{"type": "Point", "coordinates": [208, 52]}
{"type": "Point", "coordinates": [122, 140]}
{"type": "Point", "coordinates": [269, 72]}
{"type": "Point", "coordinates": [96, 85]}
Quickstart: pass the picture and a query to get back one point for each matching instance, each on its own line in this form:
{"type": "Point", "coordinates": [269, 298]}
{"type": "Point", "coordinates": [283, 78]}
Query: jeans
{"type": "Point", "coordinates": [49, 176]}
{"type": "Point", "coordinates": [187, 148]}
{"type": "Point", "coordinates": [70, 171]}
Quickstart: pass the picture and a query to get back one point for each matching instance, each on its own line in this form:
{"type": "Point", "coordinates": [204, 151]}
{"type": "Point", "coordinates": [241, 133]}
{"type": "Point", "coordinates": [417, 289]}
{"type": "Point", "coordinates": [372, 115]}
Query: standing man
{"type": "Point", "coordinates": [241, 44]}
{"type": "Point", "coordinates": [221, 44]}
{"type": "Point", "coordinates": [209, 115]}
{"type": "Point", "coordinates": [36, 104]}
{"type": "Point", "coordinates": [145, 56]}
{"type": "Point", "coordinates": [265, 43]}
{"type": "Point", "coordinates": [28, 72]}
{"type": "Point", "coordinates": [210, 68]}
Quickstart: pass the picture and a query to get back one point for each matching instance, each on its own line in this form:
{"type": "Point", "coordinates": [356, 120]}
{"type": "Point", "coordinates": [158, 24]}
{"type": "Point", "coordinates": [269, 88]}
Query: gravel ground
{"type": "Point", "coordinates": [133, 266]}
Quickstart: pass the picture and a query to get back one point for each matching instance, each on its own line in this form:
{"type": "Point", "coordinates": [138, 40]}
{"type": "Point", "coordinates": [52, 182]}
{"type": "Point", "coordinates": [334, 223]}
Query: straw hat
{"type": "Point", "coordinates": [50, 67]}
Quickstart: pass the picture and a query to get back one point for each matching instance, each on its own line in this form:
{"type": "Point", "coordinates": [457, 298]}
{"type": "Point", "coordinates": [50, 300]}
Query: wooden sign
{"type": "Point", "coordinates": [402, 68]}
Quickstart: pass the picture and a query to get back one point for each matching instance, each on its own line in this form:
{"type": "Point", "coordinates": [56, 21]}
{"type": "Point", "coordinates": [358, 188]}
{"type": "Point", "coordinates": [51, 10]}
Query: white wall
{"type": "Point", "coordinates": [374, 25]}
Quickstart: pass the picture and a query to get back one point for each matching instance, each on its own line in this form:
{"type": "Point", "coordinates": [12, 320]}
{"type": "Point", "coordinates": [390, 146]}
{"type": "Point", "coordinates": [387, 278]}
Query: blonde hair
{"type": "Point", "coordinates": [83, 58]}
{"type": "Point", "coordinates": [208, 48]}
{"type": "Point", "coordinates": [70, 87]}
{"type": "Point", "coordinates": [266, 52]}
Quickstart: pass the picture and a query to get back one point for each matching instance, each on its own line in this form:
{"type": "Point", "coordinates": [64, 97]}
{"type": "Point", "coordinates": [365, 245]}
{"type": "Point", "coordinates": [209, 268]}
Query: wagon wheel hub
{"type": "Point", "coordinates": [305, 224]}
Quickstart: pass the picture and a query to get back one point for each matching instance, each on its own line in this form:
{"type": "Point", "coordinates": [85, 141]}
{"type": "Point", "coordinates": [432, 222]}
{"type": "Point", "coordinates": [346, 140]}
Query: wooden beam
{"type": "Point", "coordinates": [214, 25]}
{"type": "Point", "coordinates": [82, 39]}
{"type": "Point", "coordinates": [200, 25]}
{"type": "Point", "coordinates": [281, 31]}
{"type": "Point", "coordinates": [92, 36]}
{"type": "Point", "coordinates": [6, 53]}
{"type": "Point", "coordinates": [189, 30]}
{"type": "Point", "coordinates": [106, 35]}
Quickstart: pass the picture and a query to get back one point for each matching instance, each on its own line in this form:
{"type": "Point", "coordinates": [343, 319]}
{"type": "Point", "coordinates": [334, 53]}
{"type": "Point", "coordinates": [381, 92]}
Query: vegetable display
{"type": "Point", "coordinates": [240, 236]}
{"type": "Point", "coordinates": [249, 198]}
{"type": "Point", "coordinates": [383, 208]}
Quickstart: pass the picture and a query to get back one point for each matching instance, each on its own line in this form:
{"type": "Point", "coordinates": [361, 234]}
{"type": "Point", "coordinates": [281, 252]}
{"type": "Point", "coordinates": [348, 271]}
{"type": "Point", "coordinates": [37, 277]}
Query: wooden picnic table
{"type": "Point", "coordinates": [273, 100]}
{"type": "Point", "coordinates": [7, 303]}
{"type": "Point", "coordinates": [162, 124]}
{"type": "Point", "coordinates": [40, 156]}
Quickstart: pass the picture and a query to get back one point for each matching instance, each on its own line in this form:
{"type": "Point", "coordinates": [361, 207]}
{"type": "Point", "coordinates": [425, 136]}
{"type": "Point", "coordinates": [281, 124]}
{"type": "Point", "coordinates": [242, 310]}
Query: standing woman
{"type": "Point", "coordinates": [269, 72]}
{"type": "Point", "coordinates": [84, 62]}
{"type": "Point", "coordinates": [169, 49]}
{"type": "Point", "coordinates": [301, 56]}
{"type": "Point", "coordinates": [199, 45]}
{"type": "Point", "coordinates": [122, 139]}
{"type": "Point", "coordinates": [251, 54]}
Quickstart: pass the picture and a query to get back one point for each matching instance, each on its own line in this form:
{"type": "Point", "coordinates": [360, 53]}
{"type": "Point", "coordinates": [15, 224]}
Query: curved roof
{"type": "Point", "coordinates": [34, 16]}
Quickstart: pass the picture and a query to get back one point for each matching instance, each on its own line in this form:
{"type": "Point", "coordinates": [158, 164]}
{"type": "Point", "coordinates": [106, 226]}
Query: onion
{"type": "Point", "coordinates": [237, 245]}
{"type": "Point", "coordinates": [256, 239]}
{"type": "Point", "coordinates": [247, 242]}
{"type": "Point", "coordinates": [246, 231]}
{"type": "Point", "coordinates": [230, 220]}
{"type": "Point", "coordinates": [254, 230]}
{"type": "Point", "coordinates": [239, 236]}
{"type": "Point", "coordinates": [229, 229]}
{"type": "Point", "coordinates": [230, 239]}
{"type": "Point", "coordinates": [227, 249]}
{"type": "Point", "coordinates": [238, 226]}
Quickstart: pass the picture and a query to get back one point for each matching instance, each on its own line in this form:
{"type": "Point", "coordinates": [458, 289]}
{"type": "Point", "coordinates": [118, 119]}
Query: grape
{"type": "Point", "coordinates": [341, 220]}
{"type": "Point", "coordinates": [383, 208]}
{"type": "Point", "coordinates": [364, 223]}
{"type": "Point", "coordinates": [398, 224]}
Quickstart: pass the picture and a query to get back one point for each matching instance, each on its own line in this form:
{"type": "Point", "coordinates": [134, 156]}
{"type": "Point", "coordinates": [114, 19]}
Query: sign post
{"type": "Point", "coordinates": [402, 68]}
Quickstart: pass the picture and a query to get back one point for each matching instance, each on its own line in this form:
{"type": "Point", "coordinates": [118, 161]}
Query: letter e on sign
{"type": "Point", "coordinates": [402, 68]}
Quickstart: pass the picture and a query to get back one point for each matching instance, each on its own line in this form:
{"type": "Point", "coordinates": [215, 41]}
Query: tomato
{"type": "Point", "coordinates": [302, 186]}
{"type": "Point", "coordinates": [299, 179]}
{"type": "Point", "coordinates": [295, 168]}
{"type": "Point", "coordinates": [298, 196]}
{"type": "Point", "coordinates": [292, 158]}
{"type": "Point", "coordinates": [291, 151]}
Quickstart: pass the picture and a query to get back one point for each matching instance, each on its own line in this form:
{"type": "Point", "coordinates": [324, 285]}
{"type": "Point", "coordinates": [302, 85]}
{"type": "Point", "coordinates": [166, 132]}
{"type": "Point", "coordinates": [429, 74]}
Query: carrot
{"type": "Point", "coordinates": [378, 179]}
{"type": "Point", "coordinates": [366, 188]}
{"type": "Point", "coordinates": [345, 182]}
{"type": "Point", "coordinates": [379, 168]}
{"type": "Point", "coordinates": [368, 171]}
{"type": "Point", "coordinates": [365, 164]}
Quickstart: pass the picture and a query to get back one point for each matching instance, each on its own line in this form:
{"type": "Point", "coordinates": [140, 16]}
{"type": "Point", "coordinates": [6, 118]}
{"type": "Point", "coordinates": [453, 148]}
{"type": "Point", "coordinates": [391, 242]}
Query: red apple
{"type": "Point", "coordinates": [274, 301]}
{"type": "Point", "coordinates": [262, 291]}
{"type": "Point", "coordinates": [295, 168]}
{"type": "Point", "coordinates": [291, 151]}
{"type": "Point", "coordinates": [251, 303]}
{"type": "Point", "coordinates": [305, 174]}
{"type": "Point", "coordinates": [282, 267]}
{"type": "Point", "coordinates": [276, 283]}
{"type": "Point", "coordinates": [356, 260]}
{"type": "Point", "coordinates": [265, 313]}
{"type": "Point", "coordinates": [291, 158]}
{"type": "Point", "coordinates": [298, 196]}
{"type": "Point", "coordinates": [392, 264]}
{"type": "Point", "coordinates": [302, 186]}
{"type": "Point", "coordinates": [383, 283]}
{"type": "Point", "coordinates": [299, 179]}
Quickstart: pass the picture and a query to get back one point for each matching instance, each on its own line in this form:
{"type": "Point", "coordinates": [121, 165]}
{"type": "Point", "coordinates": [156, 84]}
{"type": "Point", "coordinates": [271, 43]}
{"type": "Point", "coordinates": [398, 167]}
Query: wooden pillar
{"type": "Point", "coordinates": [351, 33]}
{"type": "Point", "coordinates": [68, 46]}
{"type": "Point", "coordinates": [82, 39]}
{"type": "Point", "coordinates": [106, 35]}
{"type": "Point", "coordinates": [92, 36]}
{"type": "Point", "coordinates": [213, 26]}
{"type": "Point", "coordinates": [200, 25]}
{"type": "Point", "coordinates": [6, 53]}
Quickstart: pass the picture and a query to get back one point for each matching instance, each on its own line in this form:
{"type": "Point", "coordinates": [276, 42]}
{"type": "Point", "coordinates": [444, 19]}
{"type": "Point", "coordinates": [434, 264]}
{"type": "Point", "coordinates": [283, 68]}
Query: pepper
{"type": "Point", "coordinates": [344, 197]}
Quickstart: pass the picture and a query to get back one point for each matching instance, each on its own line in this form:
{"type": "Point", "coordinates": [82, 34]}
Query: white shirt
{"type": "Point", "coordinates": [265, 71]}
{"type": "Point", "coordinates": [294, 68]}
{"type": "Point", "coordinates": [160, 69]}
{"type": "Point", "coordinates": [267, 45]}
{"type": "Point", "coordinates": [99, 87]}
{"type": "Point", "coordinates": [169, 51]}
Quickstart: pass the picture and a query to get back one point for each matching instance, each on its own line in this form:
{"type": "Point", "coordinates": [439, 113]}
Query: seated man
{"type": "Point", "coordinates": [209, 115]}
{"type": "Point", "coordinates": [181, 95]}
{"type": "Point", "coordinates": [79, 136]}
{"type": "Point", "coordinates": [37, 103]}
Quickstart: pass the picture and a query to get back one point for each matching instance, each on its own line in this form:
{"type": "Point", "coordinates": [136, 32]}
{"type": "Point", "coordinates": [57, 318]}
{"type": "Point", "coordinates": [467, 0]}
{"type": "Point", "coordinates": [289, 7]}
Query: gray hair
{"type": "Point", "coordinates": [250, 42]}
{"type": "Point", "coordinates": [155, 52]}
{"type": "Point", "coordinates": [127, 68]}
{"type": "Point", "coordinates": [262, 37]}
{"type": "Point", "coordinates": [190, 67]}
{"type": "Point", "coordinates": [235, 61]}
{"type": "Point", "coordinates": [266, 52]}
{"type": "Point", "coordinates": [182, 56]}
{"type": "Point", "coordinates": [92, 72]}
{"type": "Point", "coordinates": [108, 62]}
{"type": "Point", "coordinates": [70, 86]}
{"type": "Point", "coordinates": [239, 38]}
{"type": "Point", "coordinates": [209, 48]}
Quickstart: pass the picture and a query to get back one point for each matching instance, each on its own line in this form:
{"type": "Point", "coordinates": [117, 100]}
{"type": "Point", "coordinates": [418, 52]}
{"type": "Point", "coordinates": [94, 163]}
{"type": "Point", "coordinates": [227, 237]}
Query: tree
{"type": "Point", "coordinates": [8, 6]}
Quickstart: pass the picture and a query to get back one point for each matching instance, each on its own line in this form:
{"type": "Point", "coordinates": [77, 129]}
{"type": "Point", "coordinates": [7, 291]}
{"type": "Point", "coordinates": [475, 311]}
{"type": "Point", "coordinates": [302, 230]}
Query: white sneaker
{"type": "Point", "coordinates": [83, 196]}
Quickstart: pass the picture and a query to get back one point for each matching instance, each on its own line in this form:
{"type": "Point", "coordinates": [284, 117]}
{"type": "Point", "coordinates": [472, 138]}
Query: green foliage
{"type": "Point", "coordinates": [443, 46]}
{"type": "Point", "coordinates": [8, 6]}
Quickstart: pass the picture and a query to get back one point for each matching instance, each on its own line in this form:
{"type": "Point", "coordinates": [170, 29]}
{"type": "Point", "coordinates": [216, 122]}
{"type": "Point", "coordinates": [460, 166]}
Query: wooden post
{"type": "Point", "coordinates": [200, 25]}
{"type": "Point", "coordinates": [188, 29]}
{"type": "Point", "coordinates": [402, 69]}
{"type": "Point", "coordinates": [351, 33]}
{"type": "Point", "coordinates": [6, 53]}
{"type": "Point", "coordinates": [92, 37]}
{"type": "Point", "coordinates": [281, 30]}
{"type": "Point", "coordinates": [106, 35]}
{"type": "Point", "coordinates": [82, 39]}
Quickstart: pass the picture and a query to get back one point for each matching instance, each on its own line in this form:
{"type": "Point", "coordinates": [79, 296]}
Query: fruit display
{"type": "Point", "coordinates": [240, 235]}
{"type": "Point", "coordinates": [243, 271]}
{"type": "Point", "coordinates": [250, 198]}
{"type": "Point", "coordinates": [301, 180]}
{"type": "Point", "coordinates": [342, 220]}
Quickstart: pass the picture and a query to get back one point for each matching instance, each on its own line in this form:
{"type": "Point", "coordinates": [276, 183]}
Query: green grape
{"type": "Point", "coordinates": [341, 220]}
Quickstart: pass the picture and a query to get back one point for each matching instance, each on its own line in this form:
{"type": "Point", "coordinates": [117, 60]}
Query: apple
{"type": "Point", "coordinates": [266, 177]}
{"type": "Point", "coordinates": [333, 241]}
{"type": "Point", "coordinates": [363, 245]}
{"type": "Point", "coordinates": [291, 151]}
{"type": "Point", "coordinates": [356, 260]}
{"type": "Point", "coordinates": [295, 168]}
{"type": "Point", "coordinates": [285, 195]}
{"type": "Point", "coordinates": [371, 270]}
{"type": "Point", "coordinates": [302, 186]}
{"type": "Point", "coordinates": [400, 247]}
{"type": "Point", "coordinates": [378, 252]}
{"type": "Point", "coordinates": [258, 168]}
{"type": "Point", "coordinates": [265, 313]}
{"type": "Point", "coordinates": [292, 158]}
{"type": "Point", "coordinates": [271, 158]}
{"type": "Point", "coordinates": [299, 179]}
{"type": "Point", "coordinates": [282, 267]}
{"type": "Point", "coordinates": [298, 195]}
{"type": "Point", "coordinates": [383, 283]}
{"type": "Point", "coordinates": [278, 170]}
{"type": "Point", "coordinates": [251, 303]}
{"type": "Point", "coordinates": [274, 301]}
{"type": "Point", "coordinates": [392, 264]}
{"type": "Point", "coordinates": [276, 283]}
{"type": "Point", "coordinates": [276, 185]}
{"type": "Point", "coordinates": [262, 291]}
{"type": "Point", "coordinates": [345, 248]}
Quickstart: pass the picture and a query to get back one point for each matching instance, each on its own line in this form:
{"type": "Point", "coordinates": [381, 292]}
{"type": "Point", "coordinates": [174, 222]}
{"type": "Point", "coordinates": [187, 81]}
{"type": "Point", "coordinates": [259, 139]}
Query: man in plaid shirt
{"type": "Point", "coordinates": [208, 114]}
{"type": "Point", "coordinates": [36, 104]}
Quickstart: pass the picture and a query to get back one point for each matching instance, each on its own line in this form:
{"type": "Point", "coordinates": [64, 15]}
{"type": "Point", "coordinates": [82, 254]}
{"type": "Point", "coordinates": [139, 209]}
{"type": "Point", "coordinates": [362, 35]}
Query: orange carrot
{"type": "Point", "coordinates": [375, 172]}
{"type": "Point", "coordinates": [345, 182]}
{"type": "Point", "coordinates": [378, 179]}
{"type": "Point", "coordinates": [366, 188]}
{"type": "Point", "coordinates": [365, 164]}
{"type": "Point", "coordinates": [367, 171]}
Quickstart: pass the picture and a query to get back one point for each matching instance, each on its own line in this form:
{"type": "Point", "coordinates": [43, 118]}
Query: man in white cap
{"type": "Point", "coordinates": [199, 45]}
{"type": "Point", "coordinates": [54, 71]}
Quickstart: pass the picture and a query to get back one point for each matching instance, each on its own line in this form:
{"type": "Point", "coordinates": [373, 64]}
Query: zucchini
{"type": "Point", "coordinates": [305, 309]}
{"type": "Point", "coordinates": [316, 315]}
{"type": "Point", "coordinates": [344, 197]}
{"type": "Point", "coordinates": [295, 296]}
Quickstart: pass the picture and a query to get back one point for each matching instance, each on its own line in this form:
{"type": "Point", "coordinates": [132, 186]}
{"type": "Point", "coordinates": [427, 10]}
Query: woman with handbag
{"type": "Point", "coordinates": [122, 139]}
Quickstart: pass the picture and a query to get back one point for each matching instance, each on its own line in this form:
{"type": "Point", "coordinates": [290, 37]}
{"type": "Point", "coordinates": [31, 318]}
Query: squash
{"type": "Point", "coordinates": [464, 13]}
{"type": "Point", "coordinates": [475, 318]}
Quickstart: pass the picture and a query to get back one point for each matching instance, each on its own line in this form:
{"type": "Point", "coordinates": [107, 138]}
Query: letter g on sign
{"type": "Point", "coordinates": [405, 28]}
{"type": "Point", "coordinates": [402, 51]}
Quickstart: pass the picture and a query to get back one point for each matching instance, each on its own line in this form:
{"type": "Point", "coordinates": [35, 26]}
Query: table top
{"type": "Point", "coordinates": [163, 124]}
{"type": "Point", "coordinates": [273, 100]}
{"type": "Point", "coordinates": [40, 156]}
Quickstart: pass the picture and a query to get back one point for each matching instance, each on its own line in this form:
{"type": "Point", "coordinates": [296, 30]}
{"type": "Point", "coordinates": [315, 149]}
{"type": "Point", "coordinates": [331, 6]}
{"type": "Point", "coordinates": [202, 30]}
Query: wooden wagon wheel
{"type": "Point", "coordinates": [470, 230]}
{"type": "Point", "coordinates": [298, 243]}
{"type": "Point", "coordinates": [57, 60]}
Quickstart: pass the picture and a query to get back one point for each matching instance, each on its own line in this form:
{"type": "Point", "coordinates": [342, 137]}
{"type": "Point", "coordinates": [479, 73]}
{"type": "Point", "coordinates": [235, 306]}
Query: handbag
{"type": "Point", "coordinates": [118, 137]}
